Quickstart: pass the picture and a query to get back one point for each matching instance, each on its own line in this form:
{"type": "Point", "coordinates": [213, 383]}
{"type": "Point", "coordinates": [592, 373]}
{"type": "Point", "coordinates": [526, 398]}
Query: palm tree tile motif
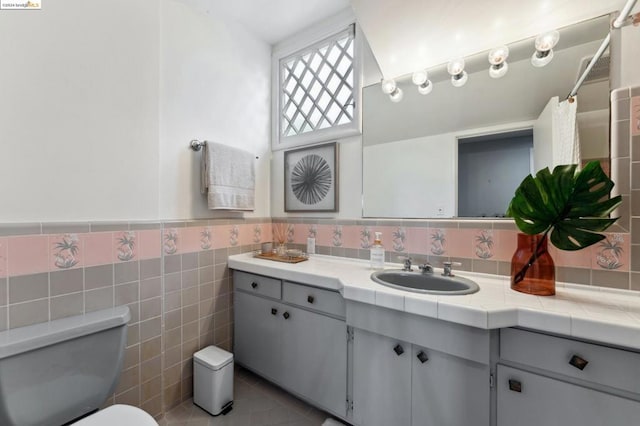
{"type": "Point", "coordinates": [484, 244]}
{"type": "Point", "coordinates": [291, 232]}
{"type": "Point", "coordinates": [126, 246]}
{"type": "Point", "coordinates": [399, 238]}
{"type": "Point", "coordinates": [234, 235]}
{"type": "Point", "coordinates": [66, 251]}
{"type": "Point", "coordinates": [170, 244]}
{"type": "Point", "coordinates": [337, 236]}
{"type": "Point", "coordinates": [608, 256]}
{"type": "Point", "coordinates": [257, 234]}
{"type": "Point", "coordinates": [205, 238]}
{"type": "Point", "coordinates": [438, 241]}
{"type": "Point", "coordinates": [365, 238]}
{"type": "Point", "coordinates": [313, 231]}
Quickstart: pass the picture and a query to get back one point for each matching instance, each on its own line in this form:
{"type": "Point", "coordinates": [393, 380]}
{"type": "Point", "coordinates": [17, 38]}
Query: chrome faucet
{"type": "Point", "coordinates": [426, 268]}
{"type": "Point", "coordinates": [448, 268]}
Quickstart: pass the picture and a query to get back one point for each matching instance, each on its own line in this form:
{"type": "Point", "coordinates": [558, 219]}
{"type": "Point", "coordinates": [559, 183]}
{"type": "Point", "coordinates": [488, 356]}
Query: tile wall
{"type": "Point", "coordinates": [173, 276]}
{"type": "Point", "coordinates": [480, 246]}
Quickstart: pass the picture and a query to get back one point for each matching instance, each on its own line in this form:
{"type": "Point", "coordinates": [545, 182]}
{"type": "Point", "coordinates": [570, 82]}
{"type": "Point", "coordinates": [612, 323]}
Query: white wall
{"type": "Point", "coordinates": [215, 85]}
{"type": "Point", "coordinates": [99, 100]}
{"type": "Point", "coordinates": [630, 54]}
{"type": "Point", "coordinates": [78, 111]}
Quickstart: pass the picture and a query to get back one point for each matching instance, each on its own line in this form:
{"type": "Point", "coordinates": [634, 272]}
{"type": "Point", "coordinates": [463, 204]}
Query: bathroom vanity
{"type": "Point", "coordinates": [373, 355]}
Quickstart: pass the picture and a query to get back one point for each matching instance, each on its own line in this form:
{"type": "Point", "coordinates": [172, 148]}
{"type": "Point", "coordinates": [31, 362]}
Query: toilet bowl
{"type": "Point", "coordinates": [120, 415]}
{"type": "Point", "coordinates": [57, 372]}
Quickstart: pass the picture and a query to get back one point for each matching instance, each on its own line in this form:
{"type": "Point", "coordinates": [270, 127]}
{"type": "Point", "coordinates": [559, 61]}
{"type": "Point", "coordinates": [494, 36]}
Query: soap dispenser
{"type": "Point", "coordinates": [377, 253]}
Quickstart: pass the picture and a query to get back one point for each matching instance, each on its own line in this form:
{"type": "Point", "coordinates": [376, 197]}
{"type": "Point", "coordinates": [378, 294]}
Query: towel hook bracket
{"type": "Point", "coordinates": [196, 145]}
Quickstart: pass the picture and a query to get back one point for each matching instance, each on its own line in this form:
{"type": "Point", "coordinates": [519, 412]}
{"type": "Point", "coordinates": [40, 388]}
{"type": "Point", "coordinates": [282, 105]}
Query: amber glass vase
{"type": "Point", "coordinates": [532, 268]}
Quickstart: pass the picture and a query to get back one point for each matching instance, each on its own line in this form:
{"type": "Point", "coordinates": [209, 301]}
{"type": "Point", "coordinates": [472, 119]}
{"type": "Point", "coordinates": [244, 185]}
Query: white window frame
{"type": "Point", "coordinates": [302, 41]}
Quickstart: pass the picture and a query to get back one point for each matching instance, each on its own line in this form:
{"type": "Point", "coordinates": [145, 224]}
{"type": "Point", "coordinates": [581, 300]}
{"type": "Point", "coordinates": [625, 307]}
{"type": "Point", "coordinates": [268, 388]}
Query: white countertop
{"type": "Point", "coordinates": [593, 313]}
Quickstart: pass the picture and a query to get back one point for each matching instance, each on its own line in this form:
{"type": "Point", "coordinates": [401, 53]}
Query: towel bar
{"type": "Point", "coordinates": [197, 145]}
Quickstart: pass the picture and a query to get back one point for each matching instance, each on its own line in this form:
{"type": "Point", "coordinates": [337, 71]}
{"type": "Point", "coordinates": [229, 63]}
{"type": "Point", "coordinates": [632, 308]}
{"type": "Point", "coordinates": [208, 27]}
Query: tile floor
{"type": "Point", "coordinates": [256, 403]}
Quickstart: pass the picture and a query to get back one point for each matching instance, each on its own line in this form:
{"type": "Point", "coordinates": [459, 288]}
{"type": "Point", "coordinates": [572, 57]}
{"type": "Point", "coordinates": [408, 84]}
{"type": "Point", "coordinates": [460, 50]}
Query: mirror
{"type": "Point", "coordinates": [448, 153]}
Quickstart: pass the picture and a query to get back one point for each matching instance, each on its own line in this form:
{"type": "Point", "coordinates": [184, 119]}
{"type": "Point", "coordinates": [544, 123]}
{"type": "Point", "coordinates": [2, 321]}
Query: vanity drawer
{"type": "Point", "coordinates": [327, 301]}
{"type": "Point", "coordinates": [607, 366]}
{"type": "Point", "coordinates": [257, 284]}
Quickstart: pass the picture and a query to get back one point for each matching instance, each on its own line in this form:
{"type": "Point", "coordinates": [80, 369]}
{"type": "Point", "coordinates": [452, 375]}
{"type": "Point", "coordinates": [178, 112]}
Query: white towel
{"type": "Point", "coordinates": [567, 150]}
{"type": "Point", "coordinates": [228, 177]}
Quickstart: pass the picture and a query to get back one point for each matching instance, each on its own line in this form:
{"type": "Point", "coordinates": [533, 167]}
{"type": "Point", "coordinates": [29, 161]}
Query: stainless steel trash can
{"type": "Point", "coordinates": [213, 380]}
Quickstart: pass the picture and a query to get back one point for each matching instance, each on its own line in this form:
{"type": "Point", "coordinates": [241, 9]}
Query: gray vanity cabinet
{"type": "Point", "coordinates": [528, 399]}
{"type": "Point", "coordinates": [257, 334]}
{"type": "Point", "coordinates": [292, 334]}
{"type": "Point", "coordinates": [447, 390]}
{"type": "Point", "coordinates": [397, 383]}
{"type": "Point", "coordinates": [551, 380]}
{"type": "Point", "coordinates": [381, 380]}
{"type": "Point", "coordinates": [314, 358]}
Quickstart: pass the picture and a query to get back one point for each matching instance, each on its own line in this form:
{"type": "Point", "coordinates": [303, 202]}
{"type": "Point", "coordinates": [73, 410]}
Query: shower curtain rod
{"type": "Point", "coordinates": [619, 21]}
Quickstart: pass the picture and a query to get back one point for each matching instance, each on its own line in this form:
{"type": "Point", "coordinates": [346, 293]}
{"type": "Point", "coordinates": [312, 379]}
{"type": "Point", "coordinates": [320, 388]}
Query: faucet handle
{"type": "Point", "coordinates": [407, 262]}
{"type": "Point", "coordinates": [448, 268]}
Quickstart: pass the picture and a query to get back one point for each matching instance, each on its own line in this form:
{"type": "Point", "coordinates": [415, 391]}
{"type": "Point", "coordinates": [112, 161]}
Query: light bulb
{"type": "Point", "coordinates": [497, 71]}
{"type": "Point", "coordinates": [396, 95]}
{"type": "Point", "coordinates": [425, 88]}
{"type": "Point", "coordinates": [459, 80]}
{"type": "Point", "coordinates": [540, 59]}
{"type": "Point", "coordinates": [547, 41]}
{"type": "Point", "coordinates": [388, 86]}
{"type": "Point", "coordinates": [498, 55]}
{"type": "Point", "coordinates": [455, 66]}
{"type": "Point", "coordinates": [419, 77]}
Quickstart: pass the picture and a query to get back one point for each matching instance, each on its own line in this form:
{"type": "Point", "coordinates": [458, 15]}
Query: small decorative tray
{"type": "Point", "coordinates": [285, 259]}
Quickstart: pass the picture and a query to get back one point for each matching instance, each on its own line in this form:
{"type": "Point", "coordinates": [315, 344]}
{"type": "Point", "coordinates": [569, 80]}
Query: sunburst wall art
{"type": "Point", "coordinates": [311, 179]}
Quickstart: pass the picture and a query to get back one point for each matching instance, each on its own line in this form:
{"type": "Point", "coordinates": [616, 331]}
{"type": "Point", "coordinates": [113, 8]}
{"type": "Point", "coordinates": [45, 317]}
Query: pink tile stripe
{"type": "Point", "coordinates": [28, 255]}
{"type": "Point", "coordinates": [3, 257]}
{"type": "Point", "coordinates": [98, 248]}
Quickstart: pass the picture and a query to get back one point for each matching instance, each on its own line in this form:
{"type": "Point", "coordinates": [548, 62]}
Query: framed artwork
{"type": "Point", "coordinates": [311, 179]}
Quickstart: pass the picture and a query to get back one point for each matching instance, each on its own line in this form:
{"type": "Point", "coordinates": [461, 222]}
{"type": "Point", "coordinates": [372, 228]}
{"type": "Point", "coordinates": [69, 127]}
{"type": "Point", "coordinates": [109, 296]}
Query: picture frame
{"type": "Point", "coordinates": [311, 179]}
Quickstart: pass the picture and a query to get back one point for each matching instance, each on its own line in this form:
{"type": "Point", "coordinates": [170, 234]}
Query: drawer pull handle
{"type": "Point", "coordinates": [515, 385]}
{"type": "Point", "coordinates": [310, 299]}
{"type": "Point", "coordinates": [286, 315]}
{"type": "Point", "coordinates": [274, 311]}
{"type": "Point", "coordinates": [254, 285]}
{"type": "Point", "coordinates": [399, 350]}
{"type": "Point", "coordinates": [422, 357]}
{"type": "Point", "coordinates": [578, 362]}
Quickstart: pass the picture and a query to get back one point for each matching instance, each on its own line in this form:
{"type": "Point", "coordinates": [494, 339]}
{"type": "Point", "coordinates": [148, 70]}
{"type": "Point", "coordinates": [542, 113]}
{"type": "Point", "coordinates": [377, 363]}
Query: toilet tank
{"type": "Point", "coordinates": [55, 372]}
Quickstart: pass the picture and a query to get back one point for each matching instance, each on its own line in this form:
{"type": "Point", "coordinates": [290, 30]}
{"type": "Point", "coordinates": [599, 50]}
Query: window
{"type": "Point", "coordinates": [317, 90]}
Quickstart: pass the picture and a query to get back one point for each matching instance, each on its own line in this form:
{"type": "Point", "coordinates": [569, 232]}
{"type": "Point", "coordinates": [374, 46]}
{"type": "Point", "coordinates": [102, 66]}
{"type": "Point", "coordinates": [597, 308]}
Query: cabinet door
{"type": "Point", "coordinates": [257, 341]}
{"type": "Point", "coordinates": [314, 358]}
{"type": "Point", "coordinates": [381, 380]}
{"type": "Point", "coordinates": [533, 400]}
{"type": "Point", "coordinates": [448, 391]}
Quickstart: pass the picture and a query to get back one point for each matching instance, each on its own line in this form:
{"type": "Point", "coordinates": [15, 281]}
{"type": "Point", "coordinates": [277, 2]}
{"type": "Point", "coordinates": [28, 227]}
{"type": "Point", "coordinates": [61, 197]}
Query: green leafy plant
{"type": "Point", "coordinates": [571, 206]}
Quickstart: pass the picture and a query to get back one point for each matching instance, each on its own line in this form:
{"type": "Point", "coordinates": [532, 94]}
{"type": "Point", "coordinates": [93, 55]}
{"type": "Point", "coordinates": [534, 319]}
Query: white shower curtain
{"type": "Point", "coordinates": [566, 138]}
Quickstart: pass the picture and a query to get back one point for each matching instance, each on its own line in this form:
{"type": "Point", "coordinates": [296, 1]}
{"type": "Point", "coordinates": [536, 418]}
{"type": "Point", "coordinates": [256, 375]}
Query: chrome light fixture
{"type": "Point", "coordinates": [421, 79]}
{"type": "Point", "coordinates": [390, 88]}
{"type": "Point", "coordinates": [458, 75]}
{"type": "Point", "coordinates": [544, 48]}
{"type": "Point", "coordinates": [498, 60]}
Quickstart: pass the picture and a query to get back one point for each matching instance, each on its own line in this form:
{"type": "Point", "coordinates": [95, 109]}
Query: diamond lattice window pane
{"type": "Point", "coordinates": [317, 86]}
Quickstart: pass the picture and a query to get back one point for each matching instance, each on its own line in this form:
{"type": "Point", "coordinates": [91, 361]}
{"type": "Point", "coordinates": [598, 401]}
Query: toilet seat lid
{"type": "Point", "coordinates": [119, 414]}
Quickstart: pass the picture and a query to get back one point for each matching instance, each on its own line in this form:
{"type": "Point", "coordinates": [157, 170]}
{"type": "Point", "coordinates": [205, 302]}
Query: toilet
{"type": "Point", "coordinates": [61, 372]}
